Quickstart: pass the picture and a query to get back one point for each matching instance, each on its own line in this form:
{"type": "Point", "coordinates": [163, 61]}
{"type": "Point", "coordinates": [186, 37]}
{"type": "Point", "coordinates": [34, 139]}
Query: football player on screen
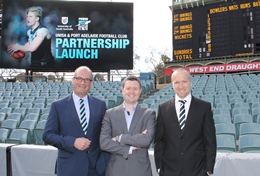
{"type": "Point", "coordinates": [39, 41]}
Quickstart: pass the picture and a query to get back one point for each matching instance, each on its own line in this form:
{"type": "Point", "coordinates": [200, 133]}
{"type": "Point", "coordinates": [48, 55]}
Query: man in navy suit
{"type": "Point", "coordinates": [79, 152]}
{"type": "Point", "coordinates": [185, 139]}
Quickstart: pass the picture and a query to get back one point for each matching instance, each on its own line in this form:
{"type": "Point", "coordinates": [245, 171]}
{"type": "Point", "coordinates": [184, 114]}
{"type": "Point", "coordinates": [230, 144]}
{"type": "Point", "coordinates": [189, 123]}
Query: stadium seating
{"type": "Point", "coordinates": [255, 113]}
{"type": "Point", "coordinates": [226, 128]}
{"type": "Point", "coordinates": [249, 143]}
{"type": "Point", "coordinates": [223, 105]}
{"type": "Point", "coordinates": [114, 99]}
{"type": "Point", "coordinates": [110, 103]}
{"type": "Point", "coordinates": [149, 102]}
{"type": "Point", "coordinates": [6, 110]}
{"type": "Point", "coordinates": [44, 116]}
{"type": "Point", "coordinates": [18, 136]}
{"type": "Point", "coordinates": [29, 125]}
{"type": "Point", "coordinates": [249, 128]}
{"type": "Point", "coordinates": [30, 101]}
{"type": "Point", "coordinates": [221, 111]}
{"type": "Point", "coordinates": [222, 118]}
{"type": "Point", "coordinates": [255, 105]}
{"type": "Point", "coordinates": [258, 119]}
{"type": "Point", "coordinates": [224, 92]}
{"type": "Point", "coordinates": [241, 105]}
{"type": "Point", "coordinates": [34, 110]}
{"type": "Point", "coordinates": [2, 117]}
{"type": "Point", "coordinates": [119, 98]}
{"type": "Point", "coordinates": [239, 119]}
{"type": "Point", "coordinates": [22, 111]}
{"type": "Point", "coordinates": [32, 116]}
{"type": "Point", "coordinates": [27, 105]}
{"type": "Point", "coordinates": [144, 105]}
{"type": "Point", "coordinates": [15, 105]}
{"type": "Point", "coordinates": [239, 111]}
{"type": "Point", "coordinates": [15, 116]}
{"type": "Point", "coordinates": [4, 134]}
{"type": "Point", "coordinates": [38, 132]}
{"type": "Point", "coordinates": [18, 100]}
{"type": "Point", "coordinates": [39, 105]}
{"type": "Point", "coordinates": [9, 124]}
{"type": "Point", "coordinates": [40, 100]}
{"type": "Point", "coordinates": [4, 105]}
{"type": "Point", "coordinates": [225, 143]}
{"type": "Point", "coordinates": [45, 110]}
{"type": "Point", "coordinates": [154, 106]}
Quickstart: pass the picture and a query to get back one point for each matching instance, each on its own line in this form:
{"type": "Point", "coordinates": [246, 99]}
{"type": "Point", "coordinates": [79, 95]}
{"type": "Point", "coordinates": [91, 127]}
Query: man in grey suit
{"type": "Point", "coordinates": [127, 132]}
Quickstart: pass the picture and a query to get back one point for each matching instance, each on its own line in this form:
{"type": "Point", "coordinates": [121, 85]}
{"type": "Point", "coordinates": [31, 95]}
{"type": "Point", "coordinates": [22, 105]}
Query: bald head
{"type": "Point", "coordinates": [83, 68]}
{"type": "Point", "coordinates": [181, 82]}
{"type": "Point", "coordinates": [181, 70]}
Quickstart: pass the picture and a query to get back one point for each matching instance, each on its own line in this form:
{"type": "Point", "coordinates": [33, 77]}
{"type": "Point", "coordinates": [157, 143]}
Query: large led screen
{"type": "Point", "coordinates": [68, 34]}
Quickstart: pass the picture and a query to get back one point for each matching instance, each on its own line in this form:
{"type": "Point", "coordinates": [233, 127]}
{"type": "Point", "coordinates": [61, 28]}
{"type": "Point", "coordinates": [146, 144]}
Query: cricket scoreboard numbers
{"type": "Point", "coordinates": [217, 30]}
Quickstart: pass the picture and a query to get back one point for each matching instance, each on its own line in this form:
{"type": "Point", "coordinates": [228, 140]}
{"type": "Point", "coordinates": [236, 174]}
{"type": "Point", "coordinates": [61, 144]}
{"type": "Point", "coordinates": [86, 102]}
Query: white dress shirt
{"type": "Point", "coordinates": [77, 105]}
{"type": "Point", "coordinates": [178, 105]}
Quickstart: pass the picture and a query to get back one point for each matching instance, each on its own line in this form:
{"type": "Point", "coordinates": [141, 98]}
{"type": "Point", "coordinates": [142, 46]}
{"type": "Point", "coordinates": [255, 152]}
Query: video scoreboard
{"type": "Point", "coordinates": [217, 30]}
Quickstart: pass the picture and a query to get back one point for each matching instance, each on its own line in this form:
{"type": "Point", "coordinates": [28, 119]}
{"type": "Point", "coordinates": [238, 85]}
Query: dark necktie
{"type": "Point", "coordinates": [83, 118]}
{"type": "Point", "coordinates": [182, 118]}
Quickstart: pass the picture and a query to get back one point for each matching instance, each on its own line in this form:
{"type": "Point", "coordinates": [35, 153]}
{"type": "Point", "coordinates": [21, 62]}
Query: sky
{"type": "Point", "coordinates": [152, 30]}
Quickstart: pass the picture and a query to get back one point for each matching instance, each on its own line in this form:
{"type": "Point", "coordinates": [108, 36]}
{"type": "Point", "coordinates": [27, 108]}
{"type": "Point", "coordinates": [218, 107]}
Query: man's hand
{"type": "Point", "coordinates": [135, 148]}
{"type": "Point", "coordinates": [116, 138]}
{"type": "Point", "coordinates": [145, 131]}
{"type": "Point", "coordinates": [82, 143]}
{"type": "Point", "coordinates": [12, 48]}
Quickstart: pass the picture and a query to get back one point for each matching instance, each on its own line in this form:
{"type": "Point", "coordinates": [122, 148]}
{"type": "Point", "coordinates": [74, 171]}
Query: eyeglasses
{"type": "Point", "coordinates": [86, 80]}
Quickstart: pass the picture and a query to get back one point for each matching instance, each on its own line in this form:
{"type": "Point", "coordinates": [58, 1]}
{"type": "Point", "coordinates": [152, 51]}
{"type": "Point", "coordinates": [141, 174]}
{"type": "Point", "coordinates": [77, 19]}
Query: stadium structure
{"type": "Point", "coordinates": [220, 35]}
{"type": "Point", "coordinates": [225, 71]}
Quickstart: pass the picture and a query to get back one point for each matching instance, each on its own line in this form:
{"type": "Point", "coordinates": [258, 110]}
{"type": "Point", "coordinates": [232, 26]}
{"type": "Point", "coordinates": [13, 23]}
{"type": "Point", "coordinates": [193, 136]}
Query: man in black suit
{"type": "Point", "coordinates": [185, 139]}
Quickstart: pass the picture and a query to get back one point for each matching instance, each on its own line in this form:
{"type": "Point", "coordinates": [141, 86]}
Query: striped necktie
{"type": "Point", "coordinates": [83, 119]}
{"type": "Point", "coordinates": [182, 118]}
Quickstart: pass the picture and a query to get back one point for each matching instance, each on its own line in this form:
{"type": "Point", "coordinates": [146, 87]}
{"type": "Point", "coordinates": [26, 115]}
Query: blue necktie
{"type": "Point", "coordinates": [83, 118]}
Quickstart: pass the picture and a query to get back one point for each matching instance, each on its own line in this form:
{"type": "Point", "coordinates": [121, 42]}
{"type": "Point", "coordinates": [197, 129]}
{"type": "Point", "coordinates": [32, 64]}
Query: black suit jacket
{"type": "Point", "coordinates": [193, 149]}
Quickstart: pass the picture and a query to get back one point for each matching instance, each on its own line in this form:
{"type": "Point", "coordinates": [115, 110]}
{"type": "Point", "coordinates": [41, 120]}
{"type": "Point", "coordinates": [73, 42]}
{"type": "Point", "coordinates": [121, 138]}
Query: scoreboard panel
{"type": "Point", "coordinates": [217, 30]}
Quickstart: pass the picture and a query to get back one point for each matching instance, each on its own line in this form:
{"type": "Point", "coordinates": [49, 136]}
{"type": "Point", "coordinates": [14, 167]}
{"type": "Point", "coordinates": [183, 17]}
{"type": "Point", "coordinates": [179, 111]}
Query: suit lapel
{"type": "Point", "coordinates": [91, 105]}
{"type": "Point", "coordinates": [192, 109]}
{"type": "Point", "coordinates": [137, 116]}
{"type": "Point", "coordinates": [73, 113]}
{"type": "Point", "coordinates": [173, 114]}
{"type": "Point", "coordinates": [120, 115]}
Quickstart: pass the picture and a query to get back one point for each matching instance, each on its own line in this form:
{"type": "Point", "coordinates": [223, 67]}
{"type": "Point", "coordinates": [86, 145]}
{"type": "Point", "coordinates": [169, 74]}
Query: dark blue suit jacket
{"type": "Point", "coordinates": [63, 127]}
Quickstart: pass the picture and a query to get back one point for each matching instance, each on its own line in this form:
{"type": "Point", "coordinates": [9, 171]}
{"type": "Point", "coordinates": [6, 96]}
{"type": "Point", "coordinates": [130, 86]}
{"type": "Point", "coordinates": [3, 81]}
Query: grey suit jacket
{"type": "Point", "coordinates": [114, 124]}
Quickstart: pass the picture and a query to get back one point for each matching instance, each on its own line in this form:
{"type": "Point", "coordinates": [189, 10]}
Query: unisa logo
{"type": "Point", "coordinates": [64, 20]}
